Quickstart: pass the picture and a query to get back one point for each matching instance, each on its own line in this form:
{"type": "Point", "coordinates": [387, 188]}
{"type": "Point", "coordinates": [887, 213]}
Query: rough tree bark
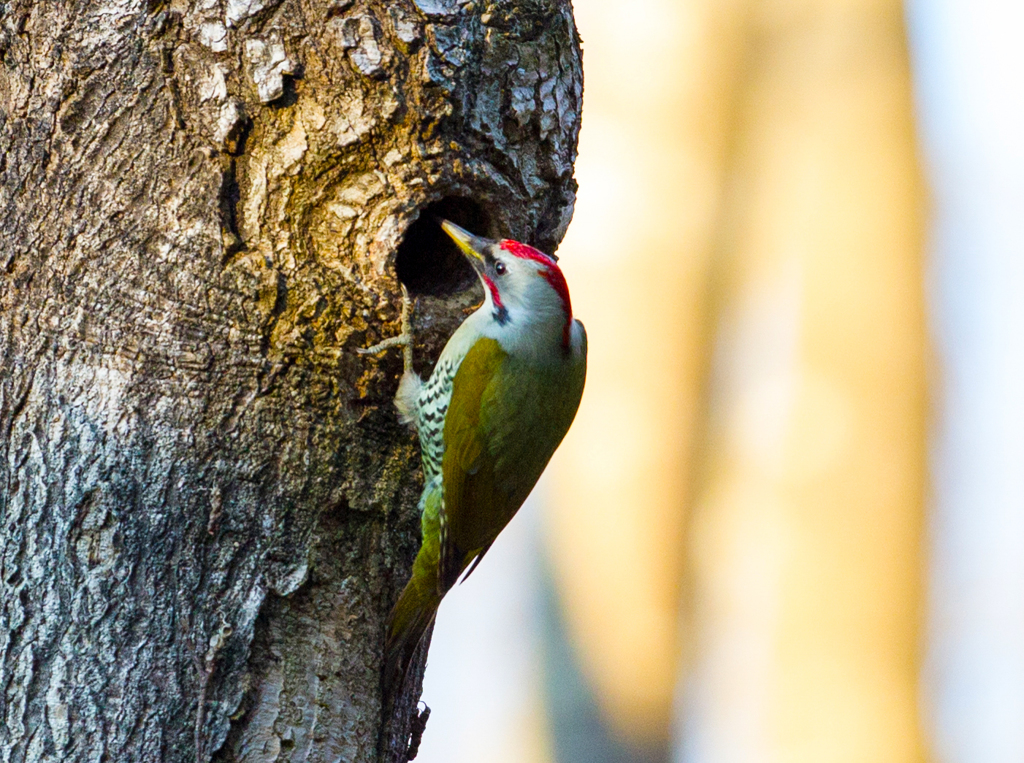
{"type": "Point", "coordinates": [207, 504]}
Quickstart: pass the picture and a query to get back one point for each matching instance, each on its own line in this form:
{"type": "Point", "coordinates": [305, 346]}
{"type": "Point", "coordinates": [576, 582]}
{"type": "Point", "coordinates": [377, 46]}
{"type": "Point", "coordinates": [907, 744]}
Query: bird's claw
{"type": "Point", "coordinates": [403, 340]}
{"type": "Point", "coordinates": [394, 341]}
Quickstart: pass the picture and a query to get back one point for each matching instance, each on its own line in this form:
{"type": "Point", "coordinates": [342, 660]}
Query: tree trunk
{"type": "Point", "coordinates": [208, 506]}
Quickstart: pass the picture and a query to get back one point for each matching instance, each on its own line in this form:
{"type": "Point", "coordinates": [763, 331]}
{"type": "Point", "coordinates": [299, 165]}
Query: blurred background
{"type": "Point", "coordinates": [788, 522]}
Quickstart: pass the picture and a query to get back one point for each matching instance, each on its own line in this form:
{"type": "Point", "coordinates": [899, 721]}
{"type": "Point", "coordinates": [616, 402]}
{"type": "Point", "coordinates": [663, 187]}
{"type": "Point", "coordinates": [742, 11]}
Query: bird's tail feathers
{"type": "Point", "coordinates": [412, 616]}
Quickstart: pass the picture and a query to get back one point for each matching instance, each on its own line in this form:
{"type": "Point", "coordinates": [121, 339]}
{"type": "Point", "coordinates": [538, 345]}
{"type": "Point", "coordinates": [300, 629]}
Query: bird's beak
{"type": "Point", "coordinates": [472, 246]}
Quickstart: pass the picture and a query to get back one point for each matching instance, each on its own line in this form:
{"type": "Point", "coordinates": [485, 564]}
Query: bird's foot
{"type": "Point", "coordinates": [392, 341]}
{"type": "Point", "coordinates": [403, 340]}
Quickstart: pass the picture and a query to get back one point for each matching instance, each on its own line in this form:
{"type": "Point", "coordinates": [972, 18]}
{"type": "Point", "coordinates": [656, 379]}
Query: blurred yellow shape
{"type": "Point", "coordinates": [656, 108]}
{"type": "Point", "coordinates": [823, 338]}
{"type": "Point", "coordinates": [775, 139]}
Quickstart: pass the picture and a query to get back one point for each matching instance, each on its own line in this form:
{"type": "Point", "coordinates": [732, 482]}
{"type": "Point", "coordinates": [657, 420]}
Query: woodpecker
{"type": "Point", "coordinates": [499, 401]}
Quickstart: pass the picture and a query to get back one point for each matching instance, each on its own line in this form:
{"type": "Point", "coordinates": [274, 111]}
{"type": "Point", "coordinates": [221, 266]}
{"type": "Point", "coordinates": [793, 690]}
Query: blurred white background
{"type": "Point", "coordinates": [969, 73]}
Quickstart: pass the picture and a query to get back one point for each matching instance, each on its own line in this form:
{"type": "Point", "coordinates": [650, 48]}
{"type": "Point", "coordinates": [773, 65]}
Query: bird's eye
{"type": "Point", "coordinates": [499, 268]}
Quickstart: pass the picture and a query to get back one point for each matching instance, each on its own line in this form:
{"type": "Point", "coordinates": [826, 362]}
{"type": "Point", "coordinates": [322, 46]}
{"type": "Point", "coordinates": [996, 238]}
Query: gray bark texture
{"type": "Point", "coordinates": [207, 505]}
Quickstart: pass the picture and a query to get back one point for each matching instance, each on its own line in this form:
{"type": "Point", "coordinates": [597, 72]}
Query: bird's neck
{"type": "Point", "coordinates": [541, 337]}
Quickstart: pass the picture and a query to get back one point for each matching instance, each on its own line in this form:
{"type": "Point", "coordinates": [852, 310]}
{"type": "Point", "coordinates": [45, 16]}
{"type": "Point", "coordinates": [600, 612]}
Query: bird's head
{"type": "Point", "coordinates": [524, 289]}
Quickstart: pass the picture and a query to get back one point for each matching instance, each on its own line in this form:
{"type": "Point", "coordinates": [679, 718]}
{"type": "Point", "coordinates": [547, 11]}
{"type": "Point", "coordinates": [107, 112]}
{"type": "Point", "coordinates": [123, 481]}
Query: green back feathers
{"type": "Point", "coordinates": [504, 421]}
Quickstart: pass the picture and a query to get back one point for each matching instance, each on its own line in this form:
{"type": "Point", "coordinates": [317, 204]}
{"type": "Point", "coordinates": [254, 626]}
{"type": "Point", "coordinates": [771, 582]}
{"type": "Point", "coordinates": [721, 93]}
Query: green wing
{"type": "Point", "coordinates": [504, 421]}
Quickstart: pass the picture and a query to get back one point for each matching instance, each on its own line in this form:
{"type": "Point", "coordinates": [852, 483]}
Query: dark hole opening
{"type": "Point", "coordinates": [428, 262]}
